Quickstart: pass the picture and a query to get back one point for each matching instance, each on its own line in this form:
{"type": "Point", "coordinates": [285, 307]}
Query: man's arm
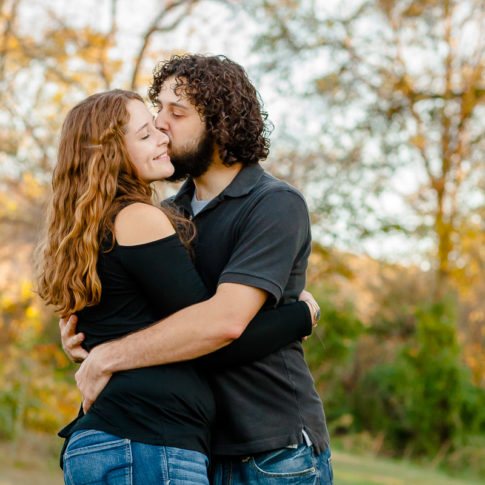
{"type": "Point", "coordinates": [194, 331]}
{"type": "Point", "coordinates": [72, 341]}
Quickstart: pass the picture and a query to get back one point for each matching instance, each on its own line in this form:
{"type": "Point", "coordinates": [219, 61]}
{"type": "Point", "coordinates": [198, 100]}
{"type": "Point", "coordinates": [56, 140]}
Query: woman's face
{"type": "Point", "coordinates": [146, 145]}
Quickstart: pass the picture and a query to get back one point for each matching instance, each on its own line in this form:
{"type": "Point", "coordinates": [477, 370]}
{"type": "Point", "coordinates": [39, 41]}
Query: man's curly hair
{"type": "Point", "coordinates": [226, 100]}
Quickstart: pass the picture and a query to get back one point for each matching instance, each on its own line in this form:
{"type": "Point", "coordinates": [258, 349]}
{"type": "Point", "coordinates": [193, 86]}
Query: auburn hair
{"type": "Point", "coordinates": [92, 181]}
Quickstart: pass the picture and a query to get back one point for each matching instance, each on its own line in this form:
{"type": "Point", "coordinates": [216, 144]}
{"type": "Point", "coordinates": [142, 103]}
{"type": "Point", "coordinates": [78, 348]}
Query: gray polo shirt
{"type": "Point", "coordinates": [257, 233]}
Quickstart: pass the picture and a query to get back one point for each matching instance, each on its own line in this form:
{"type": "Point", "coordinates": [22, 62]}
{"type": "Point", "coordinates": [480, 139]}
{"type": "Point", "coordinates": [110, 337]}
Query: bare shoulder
{"type": "Point", "coordinates": [141, 223]}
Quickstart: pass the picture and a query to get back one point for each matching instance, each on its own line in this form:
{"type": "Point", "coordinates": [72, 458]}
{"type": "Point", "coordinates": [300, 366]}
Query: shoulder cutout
{"type": "Point", "coordinates": [141, 223]}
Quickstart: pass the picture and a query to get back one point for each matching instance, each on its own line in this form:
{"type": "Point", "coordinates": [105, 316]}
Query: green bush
{"type": "Point", "coordinates": [424, 400]}
{"type": "Point", "coordinates": [330, 352]}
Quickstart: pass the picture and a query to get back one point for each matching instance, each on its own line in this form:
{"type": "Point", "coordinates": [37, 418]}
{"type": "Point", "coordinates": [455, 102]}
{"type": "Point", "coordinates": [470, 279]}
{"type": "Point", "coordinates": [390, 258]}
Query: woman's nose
{"type": "Point", "coordinates": [163, 138]}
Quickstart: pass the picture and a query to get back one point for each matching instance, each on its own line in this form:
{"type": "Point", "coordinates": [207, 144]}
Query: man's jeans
{"type": "Point", "coordinates": [286, 466]}
{"type": "Point", "coordinates": [94, 457]}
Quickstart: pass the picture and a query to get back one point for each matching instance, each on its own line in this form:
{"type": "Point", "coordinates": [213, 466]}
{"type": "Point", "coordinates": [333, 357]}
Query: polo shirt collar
{"type": "Point", "coordinates": [244, 181]}
{"type": "Point", "coordinates": [241, 185]}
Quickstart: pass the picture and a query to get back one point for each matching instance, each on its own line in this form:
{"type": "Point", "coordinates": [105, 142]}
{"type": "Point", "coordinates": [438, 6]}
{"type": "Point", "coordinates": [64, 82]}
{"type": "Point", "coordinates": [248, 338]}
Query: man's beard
{"type": "Point", "coordinates": [193, 163]}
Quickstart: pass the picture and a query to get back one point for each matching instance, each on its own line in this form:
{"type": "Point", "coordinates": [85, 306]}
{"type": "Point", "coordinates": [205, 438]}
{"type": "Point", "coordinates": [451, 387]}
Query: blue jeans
{"type": "Point", "coordinates": [95, 457]}
{"type": "Point", "coordinates": [286, 466]}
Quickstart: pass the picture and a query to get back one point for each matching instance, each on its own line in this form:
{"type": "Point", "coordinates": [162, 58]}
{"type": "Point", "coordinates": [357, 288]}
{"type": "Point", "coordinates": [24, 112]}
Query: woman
{"type": "Point", "coordinates": [111, 256]}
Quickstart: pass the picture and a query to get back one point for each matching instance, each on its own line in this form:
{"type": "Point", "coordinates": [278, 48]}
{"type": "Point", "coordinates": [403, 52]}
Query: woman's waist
{"type": "Point", "coordinates": [175, 387]}
{"type": "Point", "coordinates": [151, 405]}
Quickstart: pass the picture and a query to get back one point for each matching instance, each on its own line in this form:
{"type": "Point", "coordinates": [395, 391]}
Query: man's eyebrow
{"type": "Point", "coordinates": [172, 104]}
{"type": "Point", "coordinates": [178, 105]}
{"type": "Point", "coordinates": [141, 128]}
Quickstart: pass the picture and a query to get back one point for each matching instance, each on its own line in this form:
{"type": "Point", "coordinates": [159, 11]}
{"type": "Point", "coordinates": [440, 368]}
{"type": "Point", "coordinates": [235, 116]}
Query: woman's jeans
{"type": "Point", "coordinates": [95, 457]}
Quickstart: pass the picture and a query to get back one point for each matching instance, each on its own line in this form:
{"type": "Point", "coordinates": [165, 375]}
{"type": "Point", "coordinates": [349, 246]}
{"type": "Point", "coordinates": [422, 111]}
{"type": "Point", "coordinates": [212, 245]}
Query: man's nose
{"type": "Point", "coordinates": [161, 122]}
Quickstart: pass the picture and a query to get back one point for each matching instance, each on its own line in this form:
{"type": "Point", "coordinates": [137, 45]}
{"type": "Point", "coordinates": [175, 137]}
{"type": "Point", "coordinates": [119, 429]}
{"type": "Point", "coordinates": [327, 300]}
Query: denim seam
{"type": "Point", "coordinates": [97, 447]}
{"type": "Point", "coordinates": [66, 472]}
{"type": "Point", "coordinates": [164, 463]}
{"type": "Point", "coordinates": [258, 470]}
{"type": "Point", "coordinates": [132, 464]}
{"type": "Point", "coordinates": [81, 434]}
{"type": "Point", "coordinates": [315, 465]}
{"type": "Point", "coordinates": [330, 469]}
{"type": "Point", "coordinates": [307, 471]}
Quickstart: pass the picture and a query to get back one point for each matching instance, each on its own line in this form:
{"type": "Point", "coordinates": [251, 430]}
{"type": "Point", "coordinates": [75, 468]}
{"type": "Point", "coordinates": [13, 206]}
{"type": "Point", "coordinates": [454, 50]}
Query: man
{"type": "Point", "coordinates": [252, 248]}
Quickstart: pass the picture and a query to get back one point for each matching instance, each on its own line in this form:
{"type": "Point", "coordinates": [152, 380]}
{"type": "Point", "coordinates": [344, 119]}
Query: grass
{"type": "Point", "coordinates": [33, 460]}
{"type": "Point", "coordinates": [365, 470]}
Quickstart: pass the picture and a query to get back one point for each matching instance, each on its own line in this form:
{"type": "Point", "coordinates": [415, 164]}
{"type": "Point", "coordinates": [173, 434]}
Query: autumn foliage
{"type": "Point", "coordinates": [384, 134]}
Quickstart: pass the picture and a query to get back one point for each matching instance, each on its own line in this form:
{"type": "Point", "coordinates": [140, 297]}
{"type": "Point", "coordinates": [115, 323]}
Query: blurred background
{"type": "Point", "coordinates": [378, 110]}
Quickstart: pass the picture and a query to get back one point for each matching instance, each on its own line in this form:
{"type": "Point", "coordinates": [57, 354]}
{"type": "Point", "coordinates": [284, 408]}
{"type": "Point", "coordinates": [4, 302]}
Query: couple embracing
{"type": "Point", "coordinates": [188, 318]}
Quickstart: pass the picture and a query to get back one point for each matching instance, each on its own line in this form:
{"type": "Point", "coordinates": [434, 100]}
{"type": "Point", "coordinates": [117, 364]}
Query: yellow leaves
{"type": "Point", "coordinates": [31, 392]}
{"type": "Point", "coordinates": [475, 359]}
{"type": "Point", "coordinates": [57, 98]}
{"type": "Point", "coordinates": [414, 351]}
{"type": "Point", "coordinates": [328, 83]}
{"type": "Point", "coordinates": [11, 205]}
{"type": "Point", "coordinates": [25, 290]}
{"type": "Point", "coordinates": [418, 141]}
{"type": "Point", "coordinates": [477, 316]}
{"type": "Point", "coordinates": [32, 187]}
{"type": "Point", "coordinates": [7, 304]}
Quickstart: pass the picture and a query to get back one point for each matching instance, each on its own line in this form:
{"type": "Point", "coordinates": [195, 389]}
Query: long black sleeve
{"type": "Point", "coordinates": [267, 332]}
{"type": "Point", "coordinates": [168, 279]}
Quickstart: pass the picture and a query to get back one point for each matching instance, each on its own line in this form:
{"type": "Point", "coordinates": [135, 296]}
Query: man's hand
{"type": "Point", "coordinates": [71, 341]}
{"type": "Point", "coordinates": [91, 377]}
{"type": "Point", "coordinates": [307, 297]}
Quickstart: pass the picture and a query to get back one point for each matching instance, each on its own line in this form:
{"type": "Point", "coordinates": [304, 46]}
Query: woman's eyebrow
{"type": "Point", "coordinates": [141, 127]}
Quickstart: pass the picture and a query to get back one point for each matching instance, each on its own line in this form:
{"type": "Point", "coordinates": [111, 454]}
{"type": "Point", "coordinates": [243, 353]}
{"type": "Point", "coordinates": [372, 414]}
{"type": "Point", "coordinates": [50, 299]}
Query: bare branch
{"type": "Point", "coordinates": [155, 27]}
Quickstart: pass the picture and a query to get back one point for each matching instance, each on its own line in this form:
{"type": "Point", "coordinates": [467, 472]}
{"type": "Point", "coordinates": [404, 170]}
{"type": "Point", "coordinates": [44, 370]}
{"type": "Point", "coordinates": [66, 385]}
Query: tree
{"type": "Point", "coordinates": [43, 73]}
{"type": "Point", "coordinates": [398, 89]}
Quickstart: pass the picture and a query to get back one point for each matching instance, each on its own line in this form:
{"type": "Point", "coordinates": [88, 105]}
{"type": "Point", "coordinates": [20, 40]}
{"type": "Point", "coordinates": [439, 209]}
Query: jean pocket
{"type": "Point", "coordinates": [94, 457]}
{"type": "Point", "coordinates": [286, 463]}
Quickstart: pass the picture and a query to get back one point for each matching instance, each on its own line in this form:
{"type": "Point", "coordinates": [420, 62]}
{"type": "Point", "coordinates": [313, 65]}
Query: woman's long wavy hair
{"type": "Point", "coordinates": [92, 181]}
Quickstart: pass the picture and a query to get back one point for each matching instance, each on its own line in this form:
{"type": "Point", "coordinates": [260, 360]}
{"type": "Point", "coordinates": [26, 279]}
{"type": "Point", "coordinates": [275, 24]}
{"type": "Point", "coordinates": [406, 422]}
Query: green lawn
{"type": "Point", "coordinates": [363, 470]}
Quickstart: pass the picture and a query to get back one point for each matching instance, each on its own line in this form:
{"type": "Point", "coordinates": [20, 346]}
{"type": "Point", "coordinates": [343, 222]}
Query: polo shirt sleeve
{"type": "Point", "coordinates": [272, 241]}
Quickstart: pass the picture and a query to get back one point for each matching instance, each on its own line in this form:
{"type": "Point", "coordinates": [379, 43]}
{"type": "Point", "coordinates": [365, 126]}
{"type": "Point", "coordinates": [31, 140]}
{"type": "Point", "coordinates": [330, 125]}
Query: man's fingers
{"type": "Point", "coordinates": [79, 355]}
{"type": "Point", "coordinates": [86, 405]}
{"type": "Point", "coordinates": [67, 326]}
{"type": "Point", "coordinates": [71, 341]}
{"type": "Point", "coordinates": [70, 328]}
{"type": "Point", "coordinates": [76, 339]}
{"type": "Point", "coordinates": [74, 350]}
